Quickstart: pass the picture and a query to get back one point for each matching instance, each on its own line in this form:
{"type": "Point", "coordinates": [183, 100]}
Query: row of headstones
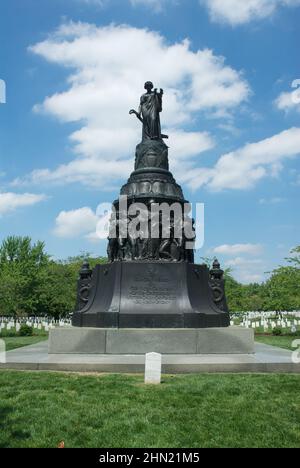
{"type": "Point", "coordinates": [267, 318]}
{"type": "Point", "coordinates": [267, 325]}
{"type": "Point", "coordinates": [266, 315]}
{"type": "Point", "coordinates": [45, 325]}
{"type": "Point", "coordinates": [17, 326]}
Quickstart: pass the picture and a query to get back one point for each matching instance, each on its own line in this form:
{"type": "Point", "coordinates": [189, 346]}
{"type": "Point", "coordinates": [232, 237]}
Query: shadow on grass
{"type": "Point", "coordinates": [9, 436]}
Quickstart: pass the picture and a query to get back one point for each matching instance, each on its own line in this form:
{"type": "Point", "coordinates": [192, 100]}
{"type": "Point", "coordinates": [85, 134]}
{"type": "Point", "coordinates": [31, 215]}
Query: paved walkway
{"type": "Point", "coordinates": [266, 359]}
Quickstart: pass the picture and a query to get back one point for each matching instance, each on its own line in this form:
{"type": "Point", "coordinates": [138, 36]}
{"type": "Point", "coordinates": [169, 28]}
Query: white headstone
{"type": "Point", "coordinates": [153, 368]}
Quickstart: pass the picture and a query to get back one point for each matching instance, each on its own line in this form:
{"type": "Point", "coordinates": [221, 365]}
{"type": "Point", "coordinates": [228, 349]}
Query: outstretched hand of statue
{"type": "Point", "coordinates": [161, 91]}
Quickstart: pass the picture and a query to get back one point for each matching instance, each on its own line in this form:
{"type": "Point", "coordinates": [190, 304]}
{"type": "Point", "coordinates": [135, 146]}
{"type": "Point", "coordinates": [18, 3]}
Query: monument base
{"type": "Point", "coordinates": [150, 295]}
{"type": "Point", "coordinates": [231, 340]}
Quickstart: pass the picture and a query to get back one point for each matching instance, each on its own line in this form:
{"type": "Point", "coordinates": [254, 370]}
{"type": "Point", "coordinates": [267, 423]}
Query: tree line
{"type": "Point", "coordinates": [33, 283]}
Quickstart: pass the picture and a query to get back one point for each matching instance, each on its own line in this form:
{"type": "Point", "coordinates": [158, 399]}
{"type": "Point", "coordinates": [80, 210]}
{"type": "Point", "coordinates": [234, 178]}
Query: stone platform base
{"type": "Point", "coordinates": [266, 359]}
{"type": "Point", "coordinates": [232, 340]}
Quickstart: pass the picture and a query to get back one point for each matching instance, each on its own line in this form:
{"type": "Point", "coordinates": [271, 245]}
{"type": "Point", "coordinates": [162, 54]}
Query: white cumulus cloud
{"type": "Point", "coordinates": [107, 70]}
{"type": "Point", "coordinates": [243, 168]}
{"type": "Point", "coordinates": [272, 201]}
{"type": "Point", "coordinates": [11, 201]}
{"type": "Point", "coordinates": [242, 261]}
{"type": "Point", "coordinates": [74, 223]}
{"type": "Point", "coordinates": [246, 263]}
{"type": "Point", "coordinates": [157, 5]}
{"type": "Point", "coordinates": [238, 249]}
{"type": "Point", "coordinates": [236, 12]}
{"type": "Point", "coordinates": [290, 100]}
{"type": "Point", "coordinates": [247, 270]}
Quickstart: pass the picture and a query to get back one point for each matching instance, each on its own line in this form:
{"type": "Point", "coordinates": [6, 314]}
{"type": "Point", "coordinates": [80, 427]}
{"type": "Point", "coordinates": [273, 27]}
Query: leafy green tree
{"type": "Point", "coordinates": [33, 283]}
{"type": "Point", "coordinates": [283, 289]}
{"type": "Point", "coordinates": [57, 291]}
{"type": "Point", "coordinates": [21, 265]}
{"type": "Point", "coordinates": [234, 293]}
{"type": "Point", "coordinates": [295, 260]}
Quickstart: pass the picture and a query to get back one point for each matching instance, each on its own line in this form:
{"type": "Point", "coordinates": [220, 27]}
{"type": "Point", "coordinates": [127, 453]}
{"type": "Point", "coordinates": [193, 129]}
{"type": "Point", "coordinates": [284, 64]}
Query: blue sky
{"type": "Point", "coordinates": [73, 69]}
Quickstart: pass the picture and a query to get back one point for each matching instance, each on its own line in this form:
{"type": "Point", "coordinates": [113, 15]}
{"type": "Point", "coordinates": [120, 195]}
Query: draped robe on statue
{"type": "Point", "coordinates": [151, 106]}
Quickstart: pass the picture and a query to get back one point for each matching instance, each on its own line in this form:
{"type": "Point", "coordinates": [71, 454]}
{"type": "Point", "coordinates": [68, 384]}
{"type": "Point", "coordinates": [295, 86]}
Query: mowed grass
{"type": "Point", "coordinates": [284, 341]}
{"type": "Point", "coordinates": [21, 341]}
{"type": "Point", "coordinates": [43, 409]}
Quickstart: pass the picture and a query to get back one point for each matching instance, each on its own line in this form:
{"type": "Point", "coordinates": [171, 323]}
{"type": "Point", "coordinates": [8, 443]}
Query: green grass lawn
{"type": "Point", "coordinates": [21, 341]}
{"type": "Point", "coordinates": [280, 341]}
{"type": "Point", "coordinates": [42, 409]}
